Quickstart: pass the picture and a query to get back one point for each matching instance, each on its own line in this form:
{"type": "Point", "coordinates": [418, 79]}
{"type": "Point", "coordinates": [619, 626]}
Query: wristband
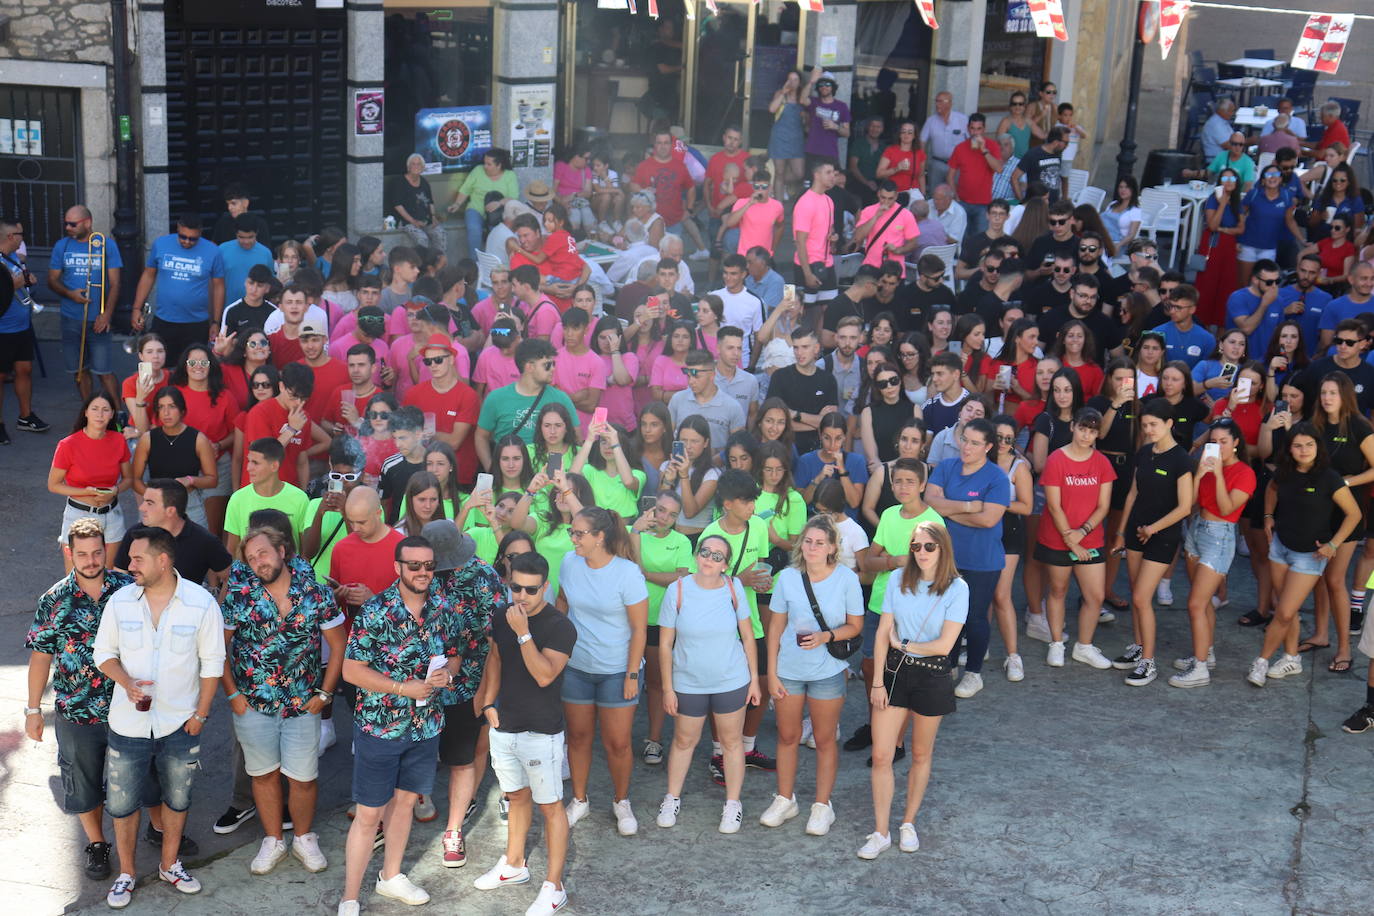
{"type": "Point", "coordinates": [199, 718]}
{"type": "Point", "coordinates": [488, 706]}
{"type": "Point", "coordinates": [236, 693]}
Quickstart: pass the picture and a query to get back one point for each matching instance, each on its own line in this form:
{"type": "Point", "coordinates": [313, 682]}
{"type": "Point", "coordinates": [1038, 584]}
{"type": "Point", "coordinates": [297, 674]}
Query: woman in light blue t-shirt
{"type": "Point", "coordinates": [604, 594]}
{"type": "Point", "coordinates": [801, 670]}
{"type": "Point", "coordinates": [708, 661]}
{"type": "Point", "coordinates": [921, 620]}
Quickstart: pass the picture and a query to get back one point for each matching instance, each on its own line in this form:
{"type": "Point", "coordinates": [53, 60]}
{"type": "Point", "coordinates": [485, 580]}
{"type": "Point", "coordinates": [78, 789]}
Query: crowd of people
{"type": "Point", "coordinates": [498, 519]}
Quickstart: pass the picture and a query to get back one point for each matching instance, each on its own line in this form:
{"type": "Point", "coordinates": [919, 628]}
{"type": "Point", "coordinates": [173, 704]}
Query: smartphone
{"type": "Point", "coordinates": [1243, 389]}
{"type": "Point", "coordinates": [599, 415]}
{"type": "Point", "coordinates": [484, 483]}
{"type": "Point", "coordinates": [1004, 377]}
{"type": "Point", "coordinates": [554, 466]}
{"type": "Point", "coordinates": [1281, 406]}
{"type": "Point", "coordinates": [1211, 450]}
{"type": "Point", "coordinates": [1228, 370]}
{"type": "Point", "coordinates": [647, 503]}
{"type": "Point", "coordinates": [789, 290]}
{"type": "Point", "coordinates": [336, 486]}
{"type": "Point", "coordinates": [679, 449]}
{"type": "Point", "coordinates": [1128, 386]}
{"type": "Point", "coordinates": [145, 373]}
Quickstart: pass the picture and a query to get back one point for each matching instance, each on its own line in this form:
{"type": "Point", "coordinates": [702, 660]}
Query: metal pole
{"type": "Point", "coordinates": [1125, 157]}
{"type": "Point", "coordinates": [126, 228]}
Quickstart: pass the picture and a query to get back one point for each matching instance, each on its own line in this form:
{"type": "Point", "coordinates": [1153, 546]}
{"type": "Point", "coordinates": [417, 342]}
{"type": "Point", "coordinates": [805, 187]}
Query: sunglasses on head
{"type": "Point", "coordinates": [433, 360]}
{"type": "Point", "coordinates": [417, 565]}
{"type": "Point", "coordinates": [927, 546]}
{"type": "Point", "coordinates": [715, 556]}
{"type": "Point", "coordinates": [346, 478]}
{"type": "Point", "coordinates": [526, 589]}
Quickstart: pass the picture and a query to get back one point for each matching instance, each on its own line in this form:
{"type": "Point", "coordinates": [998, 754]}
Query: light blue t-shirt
{"type": "Point", "coordinates": [597, 599]}
{"type": "Point", "coordinates": [707, 654]}
{"type": "Point", "coordinates": [1191, 346]}
{"type": "Point", "coordinates": [1210, 369]}
{"type": "Point", "coordinates": [921, 616]}
{"type": "Point", "coordinates": [237, 261]}
{"type": "Point", "coordinates": [73, 259]}
{"type": "Point", "coordinates": [837, 595]}
{"type": "Point", "coordinates": [183, 278]}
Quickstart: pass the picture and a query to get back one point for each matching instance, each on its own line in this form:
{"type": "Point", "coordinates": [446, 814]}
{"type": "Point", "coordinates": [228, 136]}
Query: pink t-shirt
{"type": "Point", "coordinates": [568, 180]}
{"type": "Point", "coordinates": [900, 231]}
{"type": "Point", "coordinates": [344, 326]}
{"type": "Point", "coordinates": [619, 400]}
{"type": "Point", "coordinates": [485, 314]}
{"type": "Point", "coordinates": [495, 369]}
{"type": "Point", "coordinates": [339, 350]}
{"type": "Point", "coordinates": [668, 375]}
{"type": "Point", "coordinates": [756, 228]}
{"type": "Point", "coordinates": [573, 373]}
{"type": "Point", "coordinates": [400, 354]}
{"type": "Point", "coordinates": [544, 320]}
{"type": "Point", "coordinates": [814, 214]}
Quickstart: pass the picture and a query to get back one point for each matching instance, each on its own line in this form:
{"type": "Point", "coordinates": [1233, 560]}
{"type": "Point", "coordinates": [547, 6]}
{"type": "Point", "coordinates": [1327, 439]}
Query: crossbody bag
{"type": "Point", "coordinates": [839, 648]}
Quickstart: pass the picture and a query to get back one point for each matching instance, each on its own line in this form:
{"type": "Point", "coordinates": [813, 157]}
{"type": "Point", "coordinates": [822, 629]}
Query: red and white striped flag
{"type": "Point", "coordinates": [1048, 16]}
{"type": "Point", "coordinates": [815, 6]}
{"type": "Point", "coordinates": [1171, 16]}
{"type": "Point", "coordinates": [927, 11]}
{"type": "Point", "coordinates": [1323, 42]}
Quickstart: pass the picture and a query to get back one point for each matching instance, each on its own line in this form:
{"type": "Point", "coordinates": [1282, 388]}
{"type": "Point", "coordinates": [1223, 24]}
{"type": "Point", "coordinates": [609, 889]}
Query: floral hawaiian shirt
{"type": "Point", "coordinates": [64, 627]}
{"type": "Point", "coordinates": [276, 659]}
{"type": "Point", "coordinates": [387, 639]}
{"type": "Point", "coordinates": [475, 593]}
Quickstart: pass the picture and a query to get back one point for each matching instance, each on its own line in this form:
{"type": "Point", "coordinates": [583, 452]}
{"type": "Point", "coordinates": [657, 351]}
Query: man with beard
{"type": "Point", "coordinates": [275, 619]}
{"type": "Point", "coordinates": [69, 272]}
{"type": "Point", "coordinates": [1304, 301]}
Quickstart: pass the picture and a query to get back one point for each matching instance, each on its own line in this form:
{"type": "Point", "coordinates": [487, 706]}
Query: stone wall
{"type": "Point", "coordinates": [63, 31]}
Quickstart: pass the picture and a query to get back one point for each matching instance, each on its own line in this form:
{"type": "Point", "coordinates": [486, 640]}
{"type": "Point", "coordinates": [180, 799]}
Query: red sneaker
{"type": "Point", "coordinates": [455, 850]}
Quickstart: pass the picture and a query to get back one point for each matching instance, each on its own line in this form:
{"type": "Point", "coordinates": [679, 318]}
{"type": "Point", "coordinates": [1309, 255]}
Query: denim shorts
{"type": "Point", "coordinates": [112, 522]}
{"type": "Point", "coordinates": [870, 634]}
{"type": "Point", "coordinates": [1250, 254]}
{"type": "Point", "coordinates": [176, 758]}
{"type": "Point", "coordinates": [81, 758]}
{"type": "Point", "coordinates": [697, 705]}
{"type": "Point", "coordinates": [97, 347]}
{"type": "Point", "coordinates": [225, 485]}
{"type": "Point", "coordinates": [529, 760]}
{"type": "Point", "coordinates": [1309, 564]}
{"type": "Point", "coordinates": [827, 688]}
{"type": "Point", "coordinates": [1212, 543]}
{"type": "Point", "coordinates": [383, 765]}
{"type": "Point", "coordinates": [604, 690]}
{"type": "Point", "coordinates": [272, 743]}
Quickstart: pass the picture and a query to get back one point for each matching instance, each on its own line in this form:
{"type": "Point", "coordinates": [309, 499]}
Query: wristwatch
{"type": "Point", "coordinates": [33, 710]}
{"type": "Point", "coordinates": [199, 718]}
{"type": "Point", "coordinates": [324, 695]}
{"type": "Point", "coordinates": [632, 675]}
{"type": "Point", "coordinates": [523, 639]}
{"type": "Point", "coordinates": [796, 415]}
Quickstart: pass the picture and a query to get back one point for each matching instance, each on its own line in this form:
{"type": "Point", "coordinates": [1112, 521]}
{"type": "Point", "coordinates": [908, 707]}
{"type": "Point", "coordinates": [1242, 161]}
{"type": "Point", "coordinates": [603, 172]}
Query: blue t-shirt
{"type": "Point", "coordinates": [73, 259]}
{"type": "Point", "coordinates": [597, 599]}
{"type": "Point", "coordinates": [707, 654]}
{"type": "Point", "coordinates": [1316, 302]}
{"type": "Point", "coordinates": [810, 464]}
{"type": "Point", "coordinates": [976, 549]}
{"type": "Point", "coordinates": [183, 277]}
{"type": "Point", "coordinates": [837, 595]}
{"type": "Point", "coordinates": [1243, 303]}
{"type": "Point", "coordinates": [921, 616]}
{"type": "Point", "coordinates": [1210, 369]}
{"type": "Point", "coordinates": [237, 261]}
{"type": "Point", "coordinates": [1190, 345]}
{"type": "Point", "coordinates": [1264, 221]}
{"type": "Point", "coordinates": [16, 317]}
{"type": "Point", "coordinates": [1338, 310]}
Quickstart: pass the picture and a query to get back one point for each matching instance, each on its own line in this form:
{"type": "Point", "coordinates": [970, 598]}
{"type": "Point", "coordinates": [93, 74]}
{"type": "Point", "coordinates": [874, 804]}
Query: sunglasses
{"type": "Point", "coordinates": [1272, 281]}
{"type": "Point", "coordinates": [1347, 342]}
{"type": "Point", "coordinates": [927, 546]}
{"type": "Point", "coordinates": [259, 344]}
{"type": "Point", "coordinates": [346, 478]}
{"type": "Point", "coordinates": [198, 364]}
{"type": "Point", "coordinates": [692, 373]}
{"type": "Point", "coordinates": [188, 238]}
{"type": "Point", "coordinates": [1148, 257]}
{"type": "Point", "coordinates": [1272, 175]}
{"type": "Point", "coordinates": [433, 360]}
{"type": "Point", "coordinates": [890, 382]}
{"type": "Point", "coordinates": [760, 186]}
{"type": "Point", "coordinates": [417, 565]}
{"type": "Point", "coordinates": [1006, 440]}
{"type": "Point", "coordinates": [715, 556]}
{"type": "Point", "coordinates": [526, 589]}
{"type": "Point", "coordinates": [72, 222]}
{"type": "Point", "coordinates": [266, 385]}
{"type": "Point", "coordinates": [1090, 249]}
{"type": "Point", "coordinates": [547, 364]}
{"type": "Point", "coordinates": [1018, 104]}
{"type": "Point", "coordinates": [934, 278]}
{"type": "Point", "coordinates": [1228, 179]}
{"type": "Point", "coordinates": [1059, 222]}
{"type": "Point", "coordinates": [1065, 270]}
{"type": "Point", "coordinates": [377, 414]}
{"type": "Point", "coordinates": [1236, 143]}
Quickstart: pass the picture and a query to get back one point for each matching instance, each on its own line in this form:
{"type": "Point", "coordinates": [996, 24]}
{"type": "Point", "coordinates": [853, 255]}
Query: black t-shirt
{"type": "Point", "coordinates": [1041, 165]}
{"type": "Point", "coordinates": [1113, 288]}
{"type": "Point", "coordinates": [1304, 516]}
{"type": "Point", "coordinates": [395, 475]}
{"type": "Point", "coordinates": [1059, 432]}
{"type": "Point", "coordinates": [1156, 484]}
{"type": "Point", "coordinates": [1106, 333]}
{"type": "Point", "coordinates": [521, 704]}
{"type": "Point", "coordinates": [845, 202]}
{"type": "Point", "coordinates": [1343, 448]}
{"type": "Point", "coordinates": [1188, 413]}
{"type": "Point", "coordinates": [1047, 245]}
{"type": "Point", "coordinates": [839, 308]}
{"type": "Point", "coordinates": [198, 553]}
{"type": "Point", "coordinates": [903, 300]}
{"type": "Point", "coordinates": [1121, 437]}
{"type": "Point", "coordinates": [1361, 376]}
{"type": "Point", "coordinates": [985, 303]}
{"type": "Point", "coordinates": [920, 305]}
{"type": "Point", "coordinates": [1041, 297]}
{"type": "Point", "coordinates": [241, 317]}
{"type": "Point", "coordinates": [971, 252]}
{"type": "Point", "coordinates": [807, 393]}
{"type": "Point", "coordinates": [417, 201]}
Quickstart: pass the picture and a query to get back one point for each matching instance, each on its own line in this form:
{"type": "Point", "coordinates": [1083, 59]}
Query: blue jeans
{"type": "Point", "coordinates": [97, 347]}
{"type": "Point", "coordinates": [977, 218]}
{"type": "Point", "coordinates": [127, 772]}
{"type": "Point", "coordinates": [982, 586]}
{"type": "Point", "coordinates": [476, 226]}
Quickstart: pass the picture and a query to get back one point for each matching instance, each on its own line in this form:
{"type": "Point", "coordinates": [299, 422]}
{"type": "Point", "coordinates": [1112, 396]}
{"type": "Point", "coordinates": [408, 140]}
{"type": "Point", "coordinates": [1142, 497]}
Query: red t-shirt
{"type": "Point", "coordinates": [215, 420]}
{"type": "Point", "coordinates": [335, 413]}
{"type": "Point", "coordinates": [715, 174]}
{"type": "Point", "coordinates": [328, 378]}
{"type": "Point", "coordinates": [975, 175]}
{"type": "Point", "coordinates": [457, 405]}
{"type": "Point", "coordinates": [1079, 484]}
{"type": "Point", "coordinates": [1248, 417]}
{"type": "Point", "coordinates": [1333, 257]}
{"type": "Point", "coordinates": [1090, 376]}
{"type": "Point", "coordinates": [92, 462]}
{"type": "Point", "coordinates": [1027, 411]}
{"type": "Point", "coordinates": [908, 164]}
{"type": "Point", "coordinates": [236, 383]}
{"type": "Point", "coordinates": [354, 561]}
{"type": "Point", "coordinates": [670, 181]}
{"type": "Point", "coordinates": [130, 390]}
{"type": "Point", "coordinates": [263, 422]}
{"type": "Point", "coordinates": [562, 259]}
{"type": "Point", "coordinates": [285, 351]}
{"type": "Point", "coordinates": [1238, 476]}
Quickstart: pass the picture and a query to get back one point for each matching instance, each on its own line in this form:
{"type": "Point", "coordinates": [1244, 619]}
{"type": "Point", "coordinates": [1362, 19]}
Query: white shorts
{"type": "Point", "coordinates": [528, 760]}
{"type": "Point", "coordinates": [1251, 255]}
{"type": "Point", "coordinates": [111, 522]}
{"type": "Point", "coordinates": [1366, 645]}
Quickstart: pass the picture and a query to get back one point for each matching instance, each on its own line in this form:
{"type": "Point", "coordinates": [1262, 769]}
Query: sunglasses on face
{"type": "Point", "coordinates": [1149, 257]}
{"type": "Point", "coordinates": [715, 556]}
{"type": "Point", "coordinates": [259, 344]}
{"type": "Point", "coordinates": [889, 382]}
{"type": "Point", "coordinates": [934, 278]}
{"type": "Point", "coordinates": [377, 414]}
{"type": "Point", "coordinates": [760, 186]}
{"type": "Point", "coordinates": [417, 565]}
{"type": "Point", "coordinates": [346, 478]}
{"type": "Point", "coordinates": [546, 364]}
{"type": "Point", "coordinates": [1089, 249]}
{"type": "Point", "coordinates": [1006, 440]}
{"type": "Point", "coordinates": [1347, 342]}
{"type": "Point", "coordinates": [927, 546]}
{"type": "Point", "coordinates": [1269, 281]}
{"type": "Point", "coordinates": [1228, 179]}
{"type": "Point", "coordinates": [1236, 143]}
{"type": "Point", "coordinates": [69, 222]}
{"type": "Point", "coordinates": [1059, 222]}
{"type": "Point", "coordinates": [526, 589]}
{"type": "Point", "coordinates": [1064, 270]}
{"type": "Point", "coordinates": [198, 364]}
{"type": "Point", "coordinates": [433, 360]}
{"type": "Point", "coordinates": [692, 373]}
{"type": "Point", "coordinates": [1272, 175]}
{"type": "Point", "coordinates": [266, 385]}
{"type": "Point", "coordinates": [188, 238]}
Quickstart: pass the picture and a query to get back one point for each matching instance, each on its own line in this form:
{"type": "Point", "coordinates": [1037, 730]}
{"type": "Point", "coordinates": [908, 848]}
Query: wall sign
{"type": "Point", "coordinates": [531, 126]}
{"type": "Point", "coordinates": [368, 112]}
{"type": "Point", "coordinates": [452, 139]}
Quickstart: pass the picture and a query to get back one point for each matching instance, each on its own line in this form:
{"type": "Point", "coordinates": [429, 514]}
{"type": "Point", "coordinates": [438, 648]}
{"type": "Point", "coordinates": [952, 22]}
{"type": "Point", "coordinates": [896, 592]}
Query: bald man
{"type": "Point", "coordinates": [363, 563]}
{"type": "Point", "coordinates": [70, 266]}
{"type": "Point", "coordinates": [1233, 157]}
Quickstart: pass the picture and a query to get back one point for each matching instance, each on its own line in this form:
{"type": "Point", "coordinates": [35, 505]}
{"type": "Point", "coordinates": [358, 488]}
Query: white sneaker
{"type": "Point", "coordinates": [1106, 615]}
{"type": "Point", "coordinates": [1091, 656]}
{"type": "Point", "coordinates": [1183, 664]}
{"type": "Point", "coordinates": [1164, 594]}
{"type": "Point", "coordinates": [968, 685]}
{"type": "Point", "coordinates": [1197, 675]}
{"type": "Point", "coordinates": [808, 737]}
{"type": "Point", "coordinates": [425, 810]}
{"type": "Point", "coordinates": [1286, 665]}
{"type": "Point", "coordinates": [1016, 671]}
{"type": "Point", "coordinates": [874, 846]}
{"type": "Point", "coordinates": [625, 818]}
{"type": "Point", "coordinates": [908, 839]}
{"type": "Point", "coordinates": [731, 817]}
{"type": "Point", "coordinates": [349, 908]}
{"type": "Point", "coordinates": [1038, 627]}
{"type": "Point", "coordinates": [577, 809]}
{"type": "Point", "coordinates": [780, 811]}
{"type": "Point", "coordinates": [700, 254]}
{"type": "Point", "coordinates": [399, 887]}
{"type": "Point", "coordinates": [550, 900]}
{"type": "Point", "coordinates": [1218, 602]}
{"type": "Point", "coordinates": [822, 816]}
{"type": "Point", "coordinates": [501, 875]}
{"type": "Point", "coordinates": [328, 736]}
{"type": "Point", "coordinates": [1055, 656]}
{"type": "Point", "coordinates": [306, 847]}
{"type": "Point", "coordinates": [1259, 671]}
{"type": "Point", "coordinates": [668, 811]}
{"type": "Point", "coordinates": [178, 877]}
{"type": "Point", "coordinates": [270, 853]}
{"type": "Point", "coordinates": [121, 892]}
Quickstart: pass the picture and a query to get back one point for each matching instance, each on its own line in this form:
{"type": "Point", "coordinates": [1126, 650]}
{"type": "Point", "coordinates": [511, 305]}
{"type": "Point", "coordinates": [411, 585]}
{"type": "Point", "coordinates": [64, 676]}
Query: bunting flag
{"type": "Point", "coordinates": [1171, 16]}
{"type": "Point", "coordinates": [927, 11]}
{"type": "Point", "coordinates": [815, 6]}
{"type": "Point", "coordinates": [1048, 16]}
{"type": "Point", "coordinates": [1323, 42]}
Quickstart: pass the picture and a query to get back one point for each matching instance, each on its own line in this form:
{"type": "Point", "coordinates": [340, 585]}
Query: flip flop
{"type": "Point", "coordinates": [1115, 604]}
{"type": "Point", "coordinates": [1308, 645]}
{"type": "Point", "coordinates": [1254, 619]}
{"type": "Point", "coordinates": [1339, 665]}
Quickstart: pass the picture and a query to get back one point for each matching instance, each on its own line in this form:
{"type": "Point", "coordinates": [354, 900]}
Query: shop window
{"type": "Point", "coordinates": [891, 64]}
{"type": "Point", "coordinates": [1014, 58]}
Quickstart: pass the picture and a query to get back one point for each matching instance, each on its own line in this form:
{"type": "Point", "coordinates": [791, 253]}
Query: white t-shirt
{"type": "Point", "coordinates": [743, 310]}
{"type": "Point", "coordinates": [314, 315]}
{"type": "Point", "coordinates": [853, 538]}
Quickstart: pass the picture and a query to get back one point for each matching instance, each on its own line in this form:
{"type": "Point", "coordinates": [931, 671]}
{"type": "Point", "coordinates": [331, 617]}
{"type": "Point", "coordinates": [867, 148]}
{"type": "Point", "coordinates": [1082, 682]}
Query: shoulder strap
{"type": "Point", "coordinates": [730, 584]}
{"type": "Point", "coordinates": [873, 238]}
{"type": "Point", "coordinates": [679, 593]}
{"type": "Point", "coordinates": [529, 411]}
{"type": "Point", "coordinates": [811, 596]}
{"type": "Point", "coordinates": [744, 545]}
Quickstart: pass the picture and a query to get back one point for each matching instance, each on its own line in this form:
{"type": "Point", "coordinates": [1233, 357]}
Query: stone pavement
{"type": "Point", "coordinates": [1067, 793]}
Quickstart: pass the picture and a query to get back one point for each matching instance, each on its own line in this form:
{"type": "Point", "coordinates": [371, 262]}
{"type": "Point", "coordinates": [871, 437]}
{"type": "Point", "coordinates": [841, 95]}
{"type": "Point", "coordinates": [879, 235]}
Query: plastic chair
{"type": "Point", "coordinates": [486, 263]}
{"type": "Point", "coordinates": [1095, 197]}
{"type": "Point", "coordinates": [1162, 210]}
{"type": "Point", "coordinates": [847, 265]}
{"type": "Point", "coordinates": [946, 253]}
{"type": "Point", "coordinates": [1264, 159]}
{"type": "Point", "coordinates": [1078, 180]}
{"type": "Point", "coordinates": [1350, 112]}
{"type": "Point", "coordinates": [613, 88]}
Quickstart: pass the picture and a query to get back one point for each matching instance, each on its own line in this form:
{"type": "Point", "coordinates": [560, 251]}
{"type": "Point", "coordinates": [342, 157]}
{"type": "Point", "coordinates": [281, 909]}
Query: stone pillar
{"type": "Point", "coordinates": [151, 132]}
{"type": "Point", "coordinates": [525, 46]}
{"type": "Point", "coordinates": [365, 168]}
{"type": "Point", "coordinates": [840, 23]}
{"type": "Point", "coordinates": [957, 54]}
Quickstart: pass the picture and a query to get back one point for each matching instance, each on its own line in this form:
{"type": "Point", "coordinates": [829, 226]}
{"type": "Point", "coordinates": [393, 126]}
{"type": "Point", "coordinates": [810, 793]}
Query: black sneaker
{"type": "Point", "coordinates": [189, 848]}
{"type": "Point", "coordinates": [4, 435]}
{"type": "Point", "coordinates": [98, 861]}
{"type": "Point", "coordinates": [898, 754]}
{"type": "Point", "coordinates": [378, 841]}
{"type": "Point", "coordinates": [862, 739]}
{"type": "Point", "coordinates": [33, 424]}
{"type": "Point", "coordinates": [1144, 673]}
{"type": "Point", "coordinates": [1127, 660]}
{"type": "Point", "coordinates": [1362, 721]}
{"type": "Point", "coordinates": [716, 766]}
{"type": "Point", "coordinates": [233, 818]}
{"type": "Point", "coordinates": [472, 806]}
{"type": "Point", "coordinates": [1356, 621]}
{"type": "Point", "coordinates": [760, 761]}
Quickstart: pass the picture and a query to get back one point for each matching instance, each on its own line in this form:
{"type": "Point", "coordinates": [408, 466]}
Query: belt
{"type": "Point", "coordinates": [85, 508]}
{"type": "Point", "coordinates": [943, 159]}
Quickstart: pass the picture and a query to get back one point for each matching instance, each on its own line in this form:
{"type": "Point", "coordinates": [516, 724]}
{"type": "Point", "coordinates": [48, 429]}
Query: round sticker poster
{"type": "Point", "coordinates": [452, 139]}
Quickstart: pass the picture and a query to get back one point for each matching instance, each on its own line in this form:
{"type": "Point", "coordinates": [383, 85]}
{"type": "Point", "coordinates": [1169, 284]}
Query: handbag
{"type": "Point", "coordinates": [838, 648]}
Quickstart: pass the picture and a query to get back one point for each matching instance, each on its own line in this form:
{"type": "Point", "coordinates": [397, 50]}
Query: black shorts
{"type": "Point", "coordinates": [1013, 535]}
{"type": "Point", "coordinates": [1051, 557]}
{"type": "Point", "coordinates": [1162, 546]}
{"type": "Point", "coordinates": [761, 647]}
{"type": "Point", "coordinates": [1254, 507]}
{"type": "Point", "coordinates": [1121, 487]}
{"type": "Point", "coordinates": [913, 687]}
{"type": "Point", "coordinates": [825, 283]}
{"type": "Point", "coordinates": [458, 740]}
{"type": "Point", "coordinates": [16, 348]}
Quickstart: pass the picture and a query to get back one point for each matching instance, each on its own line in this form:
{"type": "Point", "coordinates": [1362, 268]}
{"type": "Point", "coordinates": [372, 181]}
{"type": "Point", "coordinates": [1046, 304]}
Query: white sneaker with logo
{"type": "Point", "coordinates": [668, 811]}
{"type": "Point", "coordinates": [731, 817]}
{"type": "Point", "coordinates": [501, 875]}
{"type": "Point", "coordinates": [779, 811]}
{"type": "Point", "coordinates": [270, 853]}
{"type": "Point", "coordinates": [1015, 669]}
{"type": "Point", "coordinates": [550, 900]}
{"type": "Point", "coordinates": [577, 809]}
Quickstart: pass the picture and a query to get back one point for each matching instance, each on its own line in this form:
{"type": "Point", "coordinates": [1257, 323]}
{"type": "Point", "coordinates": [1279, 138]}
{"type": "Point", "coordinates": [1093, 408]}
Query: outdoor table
{"type": "Point", "coordinates": [1255, 63]}
{"type": "Point", "coordinates": [1190, 212]}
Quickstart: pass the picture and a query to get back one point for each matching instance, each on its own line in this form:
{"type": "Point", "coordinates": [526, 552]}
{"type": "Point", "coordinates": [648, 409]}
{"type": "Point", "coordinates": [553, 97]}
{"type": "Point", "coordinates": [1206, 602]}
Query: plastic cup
{"type": "Point", "coordinates": [801, 636]}
{"type": "Point", "coordinates": [148, 688]}
{"type": "Point", "coordinates": [431, 422]}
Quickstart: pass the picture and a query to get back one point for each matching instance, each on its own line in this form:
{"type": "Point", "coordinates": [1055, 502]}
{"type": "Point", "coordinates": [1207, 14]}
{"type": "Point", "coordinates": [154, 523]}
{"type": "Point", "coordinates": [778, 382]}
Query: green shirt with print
{"type": "Point", "coordinates": [660, 555]}
{"type": "Point", "coordinates": [894, 536]}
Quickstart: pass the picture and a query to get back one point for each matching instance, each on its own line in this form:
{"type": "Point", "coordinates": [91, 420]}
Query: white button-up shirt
{"type": "Point", "coordinates": [187, 645]}
{"type": "Point", "coordinates": [941, 137]}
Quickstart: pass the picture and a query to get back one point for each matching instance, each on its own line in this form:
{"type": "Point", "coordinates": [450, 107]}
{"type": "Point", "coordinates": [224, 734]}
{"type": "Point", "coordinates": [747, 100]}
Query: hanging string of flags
{"type": "Point", "coordinates": [1323, 42]}
{"type": "Point", "coordinates": [1171, 16]}
{"type": "Point", "coordinates": [927, 10]}
{"type": "Point", "coordinates": [1048, 16]}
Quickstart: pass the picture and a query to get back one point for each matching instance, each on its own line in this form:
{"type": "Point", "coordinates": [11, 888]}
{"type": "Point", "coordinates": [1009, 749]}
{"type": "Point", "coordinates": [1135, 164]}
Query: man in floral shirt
{"type": "Point", "coordinates": [275, 620]}
{"type": "Point", "coordinates": [63, 628]}
{"type": "Point", "coordinates": [396, 657]}
{"type": "Point", "coordinates": [476, 593]}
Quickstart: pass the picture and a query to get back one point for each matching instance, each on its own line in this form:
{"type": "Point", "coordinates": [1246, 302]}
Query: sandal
{"type": "Point", "coordinates": [1339, 665]}
{"type": "Point", "coordinates": [1254, 619]}
{"type": "Point", "coordinates": [1307, 645]}
{"type": "Point", "coordinates": [1115, 603]}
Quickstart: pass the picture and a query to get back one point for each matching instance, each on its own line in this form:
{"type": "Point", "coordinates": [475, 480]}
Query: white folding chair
{"type": "Point", "coordinates": [1162, 209]}
{"type": "Point", "coordinates": [1095, 197]}
{"type": "Point", "coordinates": [1264, 159]}
{"type": "Point", "coordinates": [486, 263]}
{"type": "Point", "coordinates": [847, 265]}
{"type": "Point", "coordinates": [946, 253]}
{"type": "Point", "coordinates": [1078, 180]}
